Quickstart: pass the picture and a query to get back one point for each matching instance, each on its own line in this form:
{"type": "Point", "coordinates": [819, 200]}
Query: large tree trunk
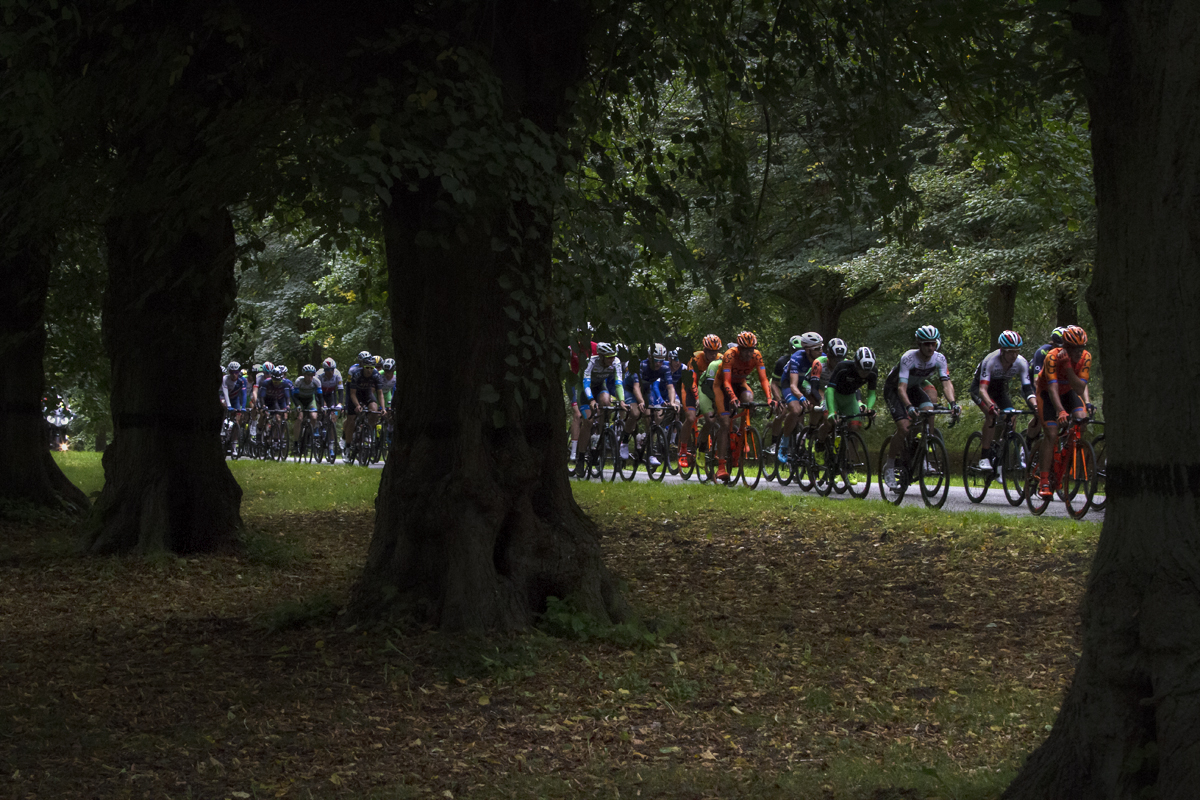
{"type": "Point", "coordinates": [1001, 308]}
{"type": "Point", "coordinates": [28, 474]}
{"type": "Point", "coordinates": [475, 522]}
{"type": "Point", "coordinates": [1130, 723]}
{"type": "Point", "coordinates": [167, 486]}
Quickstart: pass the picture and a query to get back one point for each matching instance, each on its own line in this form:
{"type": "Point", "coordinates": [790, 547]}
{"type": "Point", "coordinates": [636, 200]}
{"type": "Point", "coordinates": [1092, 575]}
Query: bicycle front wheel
{"type": "Point", "coordinates": [855, 464]}
{"type": "Point", "coordinates": [892, 494]}
{"type": "Point", "coordinates": [975, 477]}
{"type": "Point", "coordinates": [804, 464]}
{"type": "Point", "coordinates": [656, 450]}
{"type": "Point", "coordinates": [1014, 468]}
{"type": "Point", "coordinates": [1079, 483]}
{"type": "Point", "coordinates": [750, 466]}
{"type": "Point", "coordinates": [612, 455]}
{"type": "Point", "coordinates": [674, 434]}
{"type": "Point", "coordinates": [1035, 502]}
{"type": "Point", "coordinates": [935, 473]}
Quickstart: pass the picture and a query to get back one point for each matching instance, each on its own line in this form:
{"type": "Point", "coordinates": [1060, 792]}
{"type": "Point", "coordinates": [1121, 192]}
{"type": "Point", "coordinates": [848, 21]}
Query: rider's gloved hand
{"type": "Point", "coordinates": [912, 411]}
{"type": "Point", "coordinates": [1063, 418]}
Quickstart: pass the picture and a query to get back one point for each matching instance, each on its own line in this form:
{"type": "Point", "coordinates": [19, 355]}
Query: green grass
{"type": "Point", "coordinates": [268, 487]}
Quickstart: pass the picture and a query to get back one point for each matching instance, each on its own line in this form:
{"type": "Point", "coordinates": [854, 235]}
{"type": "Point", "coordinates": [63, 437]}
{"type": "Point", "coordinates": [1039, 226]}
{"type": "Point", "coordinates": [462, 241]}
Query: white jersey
{"type": "Point", "coordinates": [992, 369]}
{"type": "Point", "coordinates": [914, 367]}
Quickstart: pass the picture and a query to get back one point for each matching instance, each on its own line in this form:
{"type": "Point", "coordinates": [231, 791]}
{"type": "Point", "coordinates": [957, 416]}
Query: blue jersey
{"type": "Point", "coordinates": [653, 370]}
{"type": "Point", "coordinates": [1039, 358]}
{"type": "Point", "coordinates": [272, 391]}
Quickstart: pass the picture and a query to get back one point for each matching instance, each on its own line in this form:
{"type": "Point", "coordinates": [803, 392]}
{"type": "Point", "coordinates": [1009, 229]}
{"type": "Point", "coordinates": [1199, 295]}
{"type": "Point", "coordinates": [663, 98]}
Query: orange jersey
{"type": "Point", "coordinates": [1058, 365]}
{"type": "Point", "coordinates": [737, 370]}
{"type": "Point", "coordinates": [698, 366]}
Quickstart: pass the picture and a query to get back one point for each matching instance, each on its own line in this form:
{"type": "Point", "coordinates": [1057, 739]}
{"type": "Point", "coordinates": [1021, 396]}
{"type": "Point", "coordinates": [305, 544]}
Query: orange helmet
{"type": "Point", "coordinates": [712, 342]}
{"type": "Point", "coordinates": [747, 339]}
{"type": "Point", "coordinates": [1074, 336]}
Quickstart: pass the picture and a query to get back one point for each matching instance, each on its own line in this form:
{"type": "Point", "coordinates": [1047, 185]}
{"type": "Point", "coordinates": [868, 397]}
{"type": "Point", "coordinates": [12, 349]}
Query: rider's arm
{"type": "Point", "coordinates": [619, 374]}
{"type": "Point", "coordinates": [948, 390]}
{"type": "Point", "coordinates": [587, 381]}
{"type": "Point", "coordinates": [764, 383]}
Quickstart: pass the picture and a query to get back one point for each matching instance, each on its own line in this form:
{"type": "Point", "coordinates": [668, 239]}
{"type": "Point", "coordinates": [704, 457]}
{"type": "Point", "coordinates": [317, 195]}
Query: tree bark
{"type": "Point", "coordinates": [28, 473]}
{"type": "Point", "coordinates": [1002, 309]}
{"type": "Point", "coordinates": [1066, 309]}
{"type": "Point", "coordinates": [167, 486]}
{"type": "Point", "coordinates": [475, 524]}
{"type": "Point", "coordinates": [1130, 723]}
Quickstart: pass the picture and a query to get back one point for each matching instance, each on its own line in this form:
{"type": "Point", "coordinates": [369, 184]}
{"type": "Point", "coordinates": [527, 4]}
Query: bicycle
{"type": "Point", "coordinates": [307, 445]}
{"type": "Point", "coordinates": [1072, 471]}
{"type": "Point", "coordinates": [602, 443]}
{"type": "Point", "coordinates": [847, 465]}
{"type": "Point", "coordinates": [362, 440]}
{"type": "Point", "coordinates": [275, 435]}
{"type": "Point", "coordinates": [923, 461]}
{"type": "Point", "coordinates": [1008, 449]}
{"type": "Point", "coordinates": [326, 434]}
{"type": "Point", "coordinates": [745, 448]}
{"type": "Point", "coordinates": [803, 468]}
{"type": "Point", "coordinates": [651, 444]}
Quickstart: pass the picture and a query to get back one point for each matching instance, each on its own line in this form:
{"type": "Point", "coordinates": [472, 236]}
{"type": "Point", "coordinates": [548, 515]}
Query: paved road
{"type": "Point", "coordinates": [993, 503]}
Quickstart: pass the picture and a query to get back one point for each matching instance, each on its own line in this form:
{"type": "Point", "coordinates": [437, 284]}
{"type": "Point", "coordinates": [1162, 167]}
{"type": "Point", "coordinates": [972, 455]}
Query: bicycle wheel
{"type": "Point", "coordinates": [366, 445]}
{"type": "Point", "coordinates": [1035, 502]}
{"type": "Point", "coordinates": [975, 477]}
{"type": "Point", "coordinates": [750, 465]}
{"type": "Point", "coordinates": [674, 433]}
{"type": "Point", "coordinates": [1099, 498]}
{"type": "Point", "coordinates": [935, 473]}
{"type": "Point", "coordinates": [1014, 468]}
{"type": "Point", "coordinates": [301, 445]}
{"type": "Point", "coordinates": [656, 450]}
{"type": "Point", "coordinates": [855, 464]}
{"type": "Point", "coordinates": [891, 495]}
{"type": "Point", "coordinates": [610, 449]}
{"type": "Point", "coordinates": [782, 458]}
{"type": "Point", "coordinates": [804, 462]}
{"type": "Point", "coordinates": [1079, 482]}
{"type": "Point", "coordinates": [627, 466]}
{"type": "Point", "coordinates": [770, 460]}
{"type": "Point", "coordinates": [825, 471]}
{"type": "Point", "coordinates": [706, 457]}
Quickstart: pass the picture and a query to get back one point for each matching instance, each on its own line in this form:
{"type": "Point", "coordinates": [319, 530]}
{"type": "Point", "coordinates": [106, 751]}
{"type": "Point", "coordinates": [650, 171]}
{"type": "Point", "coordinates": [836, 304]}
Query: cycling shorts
{"type": "Point", "coordinates": [997, 390]}
{"type": "Point", "coordinates": [274, 403]}
{"type": "Point", "coordinates": [846, 405]}
{"type": "Point", "coordinates": [307, 403]}
{"type": "Point", "coordinates": [1070, 401]}
{"type": "Point", "coordinates": [363, 396]}
{"type": "Point", "coordinates": [899, 410]}
{"type": "Point", "coordinates": [721, 399]}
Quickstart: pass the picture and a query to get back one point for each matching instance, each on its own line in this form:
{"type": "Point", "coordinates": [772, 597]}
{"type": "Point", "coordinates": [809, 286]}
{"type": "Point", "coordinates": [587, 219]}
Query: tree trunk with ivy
{"type": "Point", "coordinates": [167, 486]}
{"type": "Point", "coordinates": [28, 474]}
{"type": "Point", "coordinates": [476, 525]}
{"type": "Point", "coordinates": [1129, 726]}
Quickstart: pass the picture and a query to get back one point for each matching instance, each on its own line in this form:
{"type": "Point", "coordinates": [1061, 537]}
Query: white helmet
{"type": "Point", "coordinates": [659, 351]}
{"type": "Point", "coordinates": [865, 358]}
{"type": "Point", "coordinates": [837, 348]}
{"type": "Point", "coordinates": [811, 339]}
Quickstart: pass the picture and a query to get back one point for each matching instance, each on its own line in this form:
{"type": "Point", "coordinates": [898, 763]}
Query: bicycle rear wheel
{"type": "Point", "coordinates": [674, 434]}
{"type": "Point", "coordinates": [1014, 468]}
{"type": "Point", "coordinates": [750, 466]}
{"type": "Point", "coordinates": [1099, 497]}
{"type": "Point", "coordinates": [804, 465]}
{"type": "Point", "coordinates": [627, 467]}
{"type": "Point", "coordinates": [855, 464]}
{"type": "Point", "coordinates": [1079, 482]}
{"type": "Point", "coordinates": [935, 473]}
{"type": "Point", "coordinates": [975, 478]}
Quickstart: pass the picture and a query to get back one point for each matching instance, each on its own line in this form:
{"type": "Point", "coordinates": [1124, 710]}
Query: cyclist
{"type": "Point", "coordinates": [633, 394]}
{"type": "Point", "coordinates": [1062, 393]}
{"type": "Point", "coordinates": [903, 398]}
{"type": "Point", "coordinates": [1039, 356]}
{"type": "Point", "coordinates": [577, 414]}
{"type": "Point", "coordinates": [260, 378]}
{"type": "Point", "coordinates": [776, 429]}
{"type": "Point", "coordinates": [816, 379]}
{"type": "Point", "coordinates": [233, 389]}
{"type": "Point", "coordinates": [605, 371]}
{"type": "Point", "coordinates": [364, 389]}
{"type": "Point", "coordinates": [331, 397]}
{"type": "Point", "coordinates": [276, 394]}
{"type": "Point", "coordinates": [691, 378]}
{"type": "Point", "coordinates": [306, 391]}
{"type": "Point", "coordinates": [389, 381]}
{"type": "Point", "coordinates": [797, 393]}
{"type": "Point", "coordinates": [843, 385]}
{"type": "Point", "coordinates": [736, 366]}
{"type": "Point", "coordinates": [989, 387]}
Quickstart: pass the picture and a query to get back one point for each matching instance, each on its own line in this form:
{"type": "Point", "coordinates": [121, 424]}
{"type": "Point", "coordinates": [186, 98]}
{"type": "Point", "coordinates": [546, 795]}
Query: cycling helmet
{"type": "Point", "coordinates": [796, 342]}
{"type": "Point", "coordinates": [377, 361]}
{"type": "Point", "coordinates": [1056, 336]}
{"type": "Point", "coordinates": [747, 339]}
{"type": "Point", "coordinates": [1010, 339]}
{"type": "Point", "coordinates": [329, 363]}
{"type": "Point", "coordinates": [389, 364]}
{"type": "Point", "coordinates": [282, 369]}
{"type": "Point", "coordinates": [309, 369]}
{"type": "Point", "coordinates": [268, 366]}
{"type": "Point", "coordinates": [605, 349]}
{"type": "Point", "coordinates": [811, 339]}
{"type": "Point", "coordinates": [928, 333]}
{"type": "Point", "coordinates": [712, 342]}
{"type": "Point", "coordinates": [676, 354]}
{"type": "Point", "coordinates": [234, 367]}
{"type": "Point", "coordinates": [837, 348]}
{"type": "Point", "coordinates": [1074, 336]}
{"type": "Point", "coordinates": [277, 373]}
{"type": "Point", "coordinates": [364, 357]}
{"type": "Point", "coordinates": [864, 358]}
{"type": "Point", "coordinates": [257, 368]}
{"type": "Point", "coordinates": [659, 351]}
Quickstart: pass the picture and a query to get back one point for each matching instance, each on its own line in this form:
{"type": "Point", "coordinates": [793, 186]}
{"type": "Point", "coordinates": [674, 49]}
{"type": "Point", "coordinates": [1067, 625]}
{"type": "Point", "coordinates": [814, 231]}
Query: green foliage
{"type": "Point", "coordinates": [293, 614]}
{"type": "Point", "coordinates": [564, 619]}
